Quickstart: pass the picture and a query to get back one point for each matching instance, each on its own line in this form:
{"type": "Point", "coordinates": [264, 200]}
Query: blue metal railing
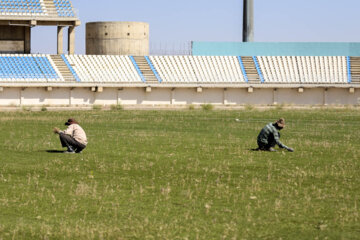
{"type": "Point", "coordinates": [153, 69]}
{"type": "Point", "coordinates": [70, 68]}
{"type": "Point", "coordinates": [258, 69]}
{"type": "Point", "coordinates": [137, 69]}
{"type": "Point", "coordinates": [243, 69]}
{"type": "Point", "coordinates": [349, 68]}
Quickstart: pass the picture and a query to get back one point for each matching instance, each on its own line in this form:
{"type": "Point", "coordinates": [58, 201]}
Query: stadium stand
{"type": "Point", "coordinates": [198, 69]}
{"type": "Point", "coordinates": [28, 68]}
{"type": "Point", "coordinates": [22, 7]}
{"type": "Point", "coordinates": [37, 8]}
{"type": "Point", "coordinates": [311, 70]}
{"type": "Point", "coordinates": [180, 69]}
{"type": "Point", "coordinates": [64, 8]}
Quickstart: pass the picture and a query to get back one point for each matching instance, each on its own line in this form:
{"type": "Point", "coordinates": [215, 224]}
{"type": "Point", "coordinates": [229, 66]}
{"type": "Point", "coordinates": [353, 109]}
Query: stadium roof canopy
{"type": "Point", "coordinates": [31, 13]}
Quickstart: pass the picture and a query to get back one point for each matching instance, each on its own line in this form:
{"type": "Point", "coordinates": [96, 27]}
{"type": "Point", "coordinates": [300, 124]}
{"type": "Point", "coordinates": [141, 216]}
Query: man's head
{"type": "Point", "coordinates": [280, 123]}
{"type": "Point", "coordinates": [71, 121]}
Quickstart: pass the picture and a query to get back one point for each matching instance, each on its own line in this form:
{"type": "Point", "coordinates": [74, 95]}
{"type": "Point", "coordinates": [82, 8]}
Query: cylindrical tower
{"type": "Point", "coordinates": [248, 21]}
{"type": "Point", "coordinates": [117, 38]}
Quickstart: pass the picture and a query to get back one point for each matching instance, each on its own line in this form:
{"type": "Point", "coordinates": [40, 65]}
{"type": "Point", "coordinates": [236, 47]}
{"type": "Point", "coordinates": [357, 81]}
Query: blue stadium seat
{"type": "Point", "coordinates": [21, 7]}
{"type": "Point", "coordinates": [64, 8]}
{"type": "Point", "coordinates": [26, 68]}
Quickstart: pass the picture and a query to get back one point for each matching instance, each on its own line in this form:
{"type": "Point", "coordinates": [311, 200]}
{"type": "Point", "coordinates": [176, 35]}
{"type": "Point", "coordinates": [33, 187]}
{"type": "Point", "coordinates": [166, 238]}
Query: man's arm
{"type": "Point", "coordinates": [280, 144]}
{"type": "Point", "coordinates": [69, 130]}
{"type": "Point", "coordinates": [56, 130]}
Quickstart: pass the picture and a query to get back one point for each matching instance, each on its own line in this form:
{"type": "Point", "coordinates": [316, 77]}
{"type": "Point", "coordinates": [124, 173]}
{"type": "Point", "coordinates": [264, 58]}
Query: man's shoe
{"type": "Point", "coordinates": [271, 150]}
{"type": "Point", "coordinates": [69, 151]}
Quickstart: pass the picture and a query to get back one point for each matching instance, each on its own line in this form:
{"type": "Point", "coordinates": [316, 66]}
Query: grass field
{"type": "Point", "coordinates": [181, 175]}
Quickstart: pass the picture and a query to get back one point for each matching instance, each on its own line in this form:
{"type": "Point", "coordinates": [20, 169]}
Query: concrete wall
{"type": "Point", "coordinates": [12, 39]}
{"type": "Point", "coordinates": [117, 38]}
{"type": "Point", "coordinates": [14, 96]}
{"type": "Point", "coordinates": [275, 49]}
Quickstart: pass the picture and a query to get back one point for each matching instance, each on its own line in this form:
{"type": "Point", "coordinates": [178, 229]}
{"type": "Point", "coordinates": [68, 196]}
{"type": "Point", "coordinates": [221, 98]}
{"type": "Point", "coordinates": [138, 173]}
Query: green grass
{"type": "Point", "coordinates": [181, 175]}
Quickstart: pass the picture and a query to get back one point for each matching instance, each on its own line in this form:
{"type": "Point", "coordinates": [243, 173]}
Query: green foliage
{"type": "Point", "coordinates": [116, 107]}
{"type": "Point", "coordinates": [26, 108]}
{"type": "Point", "coordinates": [96, 107]}
{"type": "Point", "coordinates": [180, 175]}
{"type": "Point", "coordinates": [191, 107]}
{"type": "Point", "coordinates": [207, 107]}
{"type": "Point", "coordinates": [249, 107]}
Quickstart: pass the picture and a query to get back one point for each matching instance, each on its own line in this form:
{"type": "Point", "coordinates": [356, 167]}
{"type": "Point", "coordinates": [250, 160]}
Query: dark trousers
{"type": "Point", "coordinates": [70, 143]}
{"type": "Point", "coordinates": [266, 146]}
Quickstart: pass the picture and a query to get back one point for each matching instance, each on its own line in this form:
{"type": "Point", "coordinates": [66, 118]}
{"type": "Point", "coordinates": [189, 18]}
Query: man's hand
{"type": "Point", "coordinates": [56, 130]}
{"type": "Point", "coordinates": [290, 149]}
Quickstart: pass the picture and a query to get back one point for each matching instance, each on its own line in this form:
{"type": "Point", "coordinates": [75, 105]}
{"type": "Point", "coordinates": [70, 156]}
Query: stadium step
{"type": "Point", "coordinates": [50, 7]}
{"type": "Point", "coordinates": [64, 70]}
{"type": "Point", "coordinates": [355, 69]}
{"type": "Point", "coordinates": [145, 69]}
{"type": "Point", "coordinates": [250, 69]}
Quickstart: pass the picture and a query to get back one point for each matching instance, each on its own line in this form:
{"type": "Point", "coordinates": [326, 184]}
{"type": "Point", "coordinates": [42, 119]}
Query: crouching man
{"type": "Point", "coordinates": [73, 138]}
{"type": "Point", "coordinates": [269, 136]}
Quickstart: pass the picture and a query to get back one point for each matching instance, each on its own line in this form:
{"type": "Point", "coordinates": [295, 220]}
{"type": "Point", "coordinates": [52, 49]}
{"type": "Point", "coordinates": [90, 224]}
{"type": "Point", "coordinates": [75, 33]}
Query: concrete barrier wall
{"type": "Point", "coordinates": [61, 96]}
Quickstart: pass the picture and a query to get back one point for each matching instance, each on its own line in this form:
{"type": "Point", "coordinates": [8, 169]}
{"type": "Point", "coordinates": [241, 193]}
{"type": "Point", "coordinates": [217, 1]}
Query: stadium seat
{"type": "Point", "coordinates": [98, 68]}
{"type": "Point", "coordinates": [28, 68]}
{"type": "Point", "coordinates": [22, 7]}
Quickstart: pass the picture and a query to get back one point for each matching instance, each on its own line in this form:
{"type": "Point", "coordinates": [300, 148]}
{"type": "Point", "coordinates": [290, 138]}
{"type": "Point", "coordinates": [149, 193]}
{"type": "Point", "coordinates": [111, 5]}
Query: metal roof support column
{"type": "Point", "coordinates": [60, 40]}
{"type": "Point", "coordinates": [71, 41]}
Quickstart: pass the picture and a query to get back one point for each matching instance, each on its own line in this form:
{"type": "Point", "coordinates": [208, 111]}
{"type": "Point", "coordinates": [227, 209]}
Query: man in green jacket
{"type": "Point", "coordinates": [269, 136]}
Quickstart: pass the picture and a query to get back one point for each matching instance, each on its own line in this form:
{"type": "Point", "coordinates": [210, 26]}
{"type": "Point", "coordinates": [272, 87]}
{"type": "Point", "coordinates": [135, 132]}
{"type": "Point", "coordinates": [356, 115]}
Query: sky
{"type": "Point", "coordinates": [174, 24]}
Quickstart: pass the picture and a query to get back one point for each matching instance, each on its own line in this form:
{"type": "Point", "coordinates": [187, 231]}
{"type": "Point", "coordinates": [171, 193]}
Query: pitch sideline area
{"type": "Point", "coordinates": [180, 175]}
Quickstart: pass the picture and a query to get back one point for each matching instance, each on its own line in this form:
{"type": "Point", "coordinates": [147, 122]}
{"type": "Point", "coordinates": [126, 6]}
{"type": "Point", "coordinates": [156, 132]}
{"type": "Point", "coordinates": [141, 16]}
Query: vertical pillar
{"type": "Point", "coordinates": [248, 21]}
{"type": "Point", "coordinates": [60, 40]}
{"type": "Point", "coordinates": [70, 96]}
{"type": "Point", "coordinates": [27, 42]}
{"type": "Point", "coordinates": [275, 96]}
{"type": "Point", "coordinates": [225, 102]}
{"type": "Point", "coordinates": [172, 96]}
{"type": "Point", "coordinates": [22, 99]}
{"type": "Point", "coordinates": [325, 100]}
{"type": "Point", "coordinates": [71, 40]}
{"type": "Point", "coordinates": [118, 100]}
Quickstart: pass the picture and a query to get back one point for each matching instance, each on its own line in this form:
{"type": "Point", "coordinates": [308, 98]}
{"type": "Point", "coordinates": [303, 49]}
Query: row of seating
{"type": "Point", "coordinates": [292, 69]}
{"type": "Point", "coordinates": [63, 8]}
{"type": "Point", "coordinates": [177, 69]}
{"type": "Point", "coordinates": [198, 68]}
{"type": "Point", "coordinates": [22, 7]}
{"type": "Point", "coordinates": [91, 68]}
{"type": "Point", "coordinates": [28, 68]}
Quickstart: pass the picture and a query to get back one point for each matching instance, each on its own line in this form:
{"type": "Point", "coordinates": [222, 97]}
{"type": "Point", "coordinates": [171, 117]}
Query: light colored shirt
{"type": "Point", "coordinates": [75, 131]}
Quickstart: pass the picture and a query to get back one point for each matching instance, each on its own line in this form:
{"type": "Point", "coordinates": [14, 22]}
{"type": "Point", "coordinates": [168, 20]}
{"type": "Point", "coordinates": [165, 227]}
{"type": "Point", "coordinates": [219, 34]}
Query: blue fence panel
{"type": "Point", "coordinates": [153, 69]}
{"type": "Point", "coordinates": [137, 69]}
{"type": "Point", "coordinates": [258, 69]}
{"type": "Point", "coordinates": [243, 69]}
{"type": "Point", "coordinates": [349, 68]}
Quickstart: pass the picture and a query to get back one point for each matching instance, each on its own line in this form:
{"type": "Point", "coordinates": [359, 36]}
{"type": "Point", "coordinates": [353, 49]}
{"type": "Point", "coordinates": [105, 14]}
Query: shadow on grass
{"type": "Point", "coordinates": [54, 151]}
{"type": "Point", "coordinates": [255, 149]}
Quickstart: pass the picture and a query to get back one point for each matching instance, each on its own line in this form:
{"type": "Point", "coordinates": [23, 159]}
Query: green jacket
{"type": "Point", "coordinates": [270, 133]}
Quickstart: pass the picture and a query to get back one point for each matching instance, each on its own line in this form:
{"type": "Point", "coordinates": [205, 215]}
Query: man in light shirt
{"type": "Point", "coordinates": [73, 138]}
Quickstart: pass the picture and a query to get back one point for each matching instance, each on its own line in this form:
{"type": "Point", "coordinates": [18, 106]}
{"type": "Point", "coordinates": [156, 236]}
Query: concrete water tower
{"type": "Point", "coordinates": [117, 38]}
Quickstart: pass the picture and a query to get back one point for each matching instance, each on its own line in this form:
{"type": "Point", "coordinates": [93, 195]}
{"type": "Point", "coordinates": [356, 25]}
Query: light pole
{"type": "Point", "coordinates": [248, 21]}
